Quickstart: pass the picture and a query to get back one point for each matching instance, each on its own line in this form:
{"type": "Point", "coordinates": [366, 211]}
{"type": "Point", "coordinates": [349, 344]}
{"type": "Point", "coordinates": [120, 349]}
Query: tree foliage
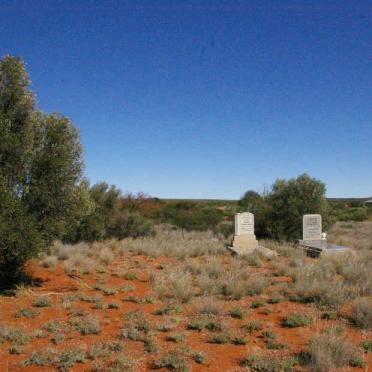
{"type": "Point", "coordinates": [191, 216]}
{"type": "Point", "coordinates": [40, 171]}
{"type": "Point", "coordinates": [278, 213]}
{"type": "Point", "coordinates": [110, 217]}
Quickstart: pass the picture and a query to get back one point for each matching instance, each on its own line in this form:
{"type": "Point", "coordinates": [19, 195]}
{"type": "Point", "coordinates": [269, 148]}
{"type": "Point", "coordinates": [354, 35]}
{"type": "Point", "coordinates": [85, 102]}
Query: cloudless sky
{"type": "Point", "coordinates": [205, 99]}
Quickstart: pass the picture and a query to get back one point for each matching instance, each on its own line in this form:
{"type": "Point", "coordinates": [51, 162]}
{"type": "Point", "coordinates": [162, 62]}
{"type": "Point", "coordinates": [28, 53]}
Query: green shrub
{"type": "Point", "coordinates": [257, 303]}
{"type": "Point", "coordinates": [86, 325]}
{"type": "Point", "coordinates": [196, 326]}
{"type": "Point", "coordinates": [113, 305]}
{"type": "Point", "coordinates": [262, 363]}
{"type": "Point", "coordinates": [275, 345]}
{"type": "Point", "coordinates": [69, 357]}
{"type": "Point", "coordinates": [131, 276]}
{"type": "Point", "coordinates": [269, 334]}
{"type": "Point", "coordinates": [366, 345]}
{"type": "Point", "coordinates": [330, 315]}
{"type": "Point", "coordinates": [58, 338]}
{"type": "Point", "coordinates": [275, 300]}
{"type": "Point", "coordinates": [219, 338]}
{"type": "Point", "coordinates": [175, 337]}
{"type": "Point", "coordinates": [278, 212]}
{"type": "Point", "coordinates": [252, 325]}
{"type": "Point", "coordinates": [215, 326]}
{"type": "Point", "coordinates": [168, 310]}
{"type": "Point", "coordinates": [238, 340]}
{"type": "Point", "coordinates": [41, 358]}
{"type": "Point", "coordinates": [361, 314]}
{"type": "Point", "coordinates": [25, 312]}
{"type": "Point", "coordinates": [42, 301]}
{"type": "Point", "coordinates": [199, 357]}
{"type": "Point", "coordinates": [237, 312]}
{"type": "Point", "coordinates": [330, 352]}
{"type": "Point", "coordinates": [40, 171]}
{"type": "Point", "coordinates": [150, 345]}
{"type": "Point", "coordinates": [297, 320]}
{"type": "Point", "coordinates": [14, 349]}
{"type": "Point", "coordinates": [357, 361]}
{"type": "Point", "coordinates": [174, 360]}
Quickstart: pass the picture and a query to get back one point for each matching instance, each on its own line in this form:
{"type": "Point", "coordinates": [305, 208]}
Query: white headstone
{"type": "Point", "coordinates": [312, 227]}
{"type": "Point", "coordinates": [244, 223]}
{"type": "Point", "coordinates": [244, 241]}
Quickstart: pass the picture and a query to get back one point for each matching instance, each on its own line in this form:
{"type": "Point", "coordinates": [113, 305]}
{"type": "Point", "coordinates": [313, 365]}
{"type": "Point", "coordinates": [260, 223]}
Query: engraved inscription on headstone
{"type": "Point", "coordinates": [312, 227]}
{"type": "Point", "coordinates": [244, 223]}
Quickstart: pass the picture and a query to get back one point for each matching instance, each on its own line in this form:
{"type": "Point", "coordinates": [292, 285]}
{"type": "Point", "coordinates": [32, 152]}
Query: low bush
{"type": "Point", "coordinates": [239, 340]}
{"type": "Point", "coordinates": [58, 338]}
{"type": "Point", "coordinates": [268, 363]}
{"type": "Point", "coordinates": [208, 306]}
{"type": "Point", "coordinates": [86, 325]}
{"type": "Point", "coordinates": [175, 337]}
{"type": "Point", "coordinates": [275, 345]}
{"type": "Point", "coordinates": [297, 320]}
{"type": "Point", "coordinates": [174, 360]}
{"type": "Point", "coordinates": [14, 335]}
{"type": "Point", "coordinates": [169, 309]}
{"type": "Point", "coordinates": [252, 326]}
{"type": "Point", "coordinates": [52, 326]}
{"type": "Point", "coordinates": [150, 345]}
{"type": "Point", "coordinates": [330, 352]}
{"type": "Point", "coordinates": [25, 312]}
{"type": "Point", "coordinates": [257, 303]}
{"type": "Point", "coordinates": [366, 345]}
{"type": "Point", "coordinates": [199, 357]}
{"type": "Point", "coordinates": [215, 326]}
{"type": "Point", "coordinates": [69, 357]}
{"type": "Point", "coordinates": [269, 334]}
{"type": "Point", "coordinates": [237, 312]}
{"type": "Point", "coordinates": [361, 314]}
{"type": "Point", "coordinates": [219, 338]}
{"type": "Point", "coordinates": [42, 301]}
{"type": "Point", "coordinates": [14, 349]}
{"type": "Point", "coordinates": [41, 358]}
{"type": "Point", "coordinates": [103, 349]}
{"type": "Point", "coordinates": [196, 326]}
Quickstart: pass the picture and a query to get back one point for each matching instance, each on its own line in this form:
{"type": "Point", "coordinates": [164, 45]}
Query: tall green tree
{"type": "Point", "coordinates": [290, 199]}
{"type": "Point", "coordinates": [40, 171]}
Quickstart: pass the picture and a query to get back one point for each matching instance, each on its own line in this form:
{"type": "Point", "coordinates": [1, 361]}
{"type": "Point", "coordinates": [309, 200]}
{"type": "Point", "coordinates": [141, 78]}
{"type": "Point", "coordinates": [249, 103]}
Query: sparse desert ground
{"type": "Point", "coordinates": [182, 302]}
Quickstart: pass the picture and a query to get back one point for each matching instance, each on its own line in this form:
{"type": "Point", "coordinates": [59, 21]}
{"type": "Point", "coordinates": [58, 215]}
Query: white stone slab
{"type": "Point", "coordinates": [312, 227]}
{"type": "Point", "coordinates": [244, 223]}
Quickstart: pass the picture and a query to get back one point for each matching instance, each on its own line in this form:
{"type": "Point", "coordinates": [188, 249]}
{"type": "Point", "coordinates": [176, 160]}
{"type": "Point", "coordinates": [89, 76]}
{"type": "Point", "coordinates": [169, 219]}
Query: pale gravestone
{"type": "Point", "coordinates": [312, 227]}
{"type": "Point", "coordinates": [312, 235]}
{"type": "Point", "coordinates": [244, 239]}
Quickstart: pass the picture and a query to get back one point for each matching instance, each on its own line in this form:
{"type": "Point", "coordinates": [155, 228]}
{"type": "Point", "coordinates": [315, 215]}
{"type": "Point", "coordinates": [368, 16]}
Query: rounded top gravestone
{"type": "Point", "coordinates": [244, 223]}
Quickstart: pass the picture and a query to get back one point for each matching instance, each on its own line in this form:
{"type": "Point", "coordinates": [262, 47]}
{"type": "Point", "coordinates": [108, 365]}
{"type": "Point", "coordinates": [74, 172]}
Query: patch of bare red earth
{"type": "Point", "coordinates": [220, 357]}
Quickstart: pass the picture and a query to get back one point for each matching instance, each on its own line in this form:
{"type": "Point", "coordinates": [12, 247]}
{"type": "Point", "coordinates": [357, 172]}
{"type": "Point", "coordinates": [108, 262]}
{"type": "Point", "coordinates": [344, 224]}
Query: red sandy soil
{"type": "Point", "coordinates": [219, 357]}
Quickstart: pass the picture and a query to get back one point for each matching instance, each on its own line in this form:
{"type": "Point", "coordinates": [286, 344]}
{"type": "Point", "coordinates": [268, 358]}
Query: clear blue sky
{"type": "Point", "coordinates": [205, 99]}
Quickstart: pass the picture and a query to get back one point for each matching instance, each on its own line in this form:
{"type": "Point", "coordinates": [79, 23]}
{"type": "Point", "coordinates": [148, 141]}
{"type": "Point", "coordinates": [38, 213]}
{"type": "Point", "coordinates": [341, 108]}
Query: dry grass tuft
{"type": "Point", "coordinates": [354, 234]}
{"type": "Point", "coordinates": [329, 351]}
{"type": "Point", "coordinates": [362, 313]}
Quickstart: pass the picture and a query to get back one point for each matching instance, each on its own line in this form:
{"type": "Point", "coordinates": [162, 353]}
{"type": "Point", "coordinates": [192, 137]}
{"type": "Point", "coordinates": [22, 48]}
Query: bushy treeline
{"type": "Point", "coordinates": [110, 216]}
{"type": "Point", "coordinates": [191, 216]}
{"type": "Point", "coordinates": [353, 210]}
{"type": "Point", "coordinates": [278, 212]}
